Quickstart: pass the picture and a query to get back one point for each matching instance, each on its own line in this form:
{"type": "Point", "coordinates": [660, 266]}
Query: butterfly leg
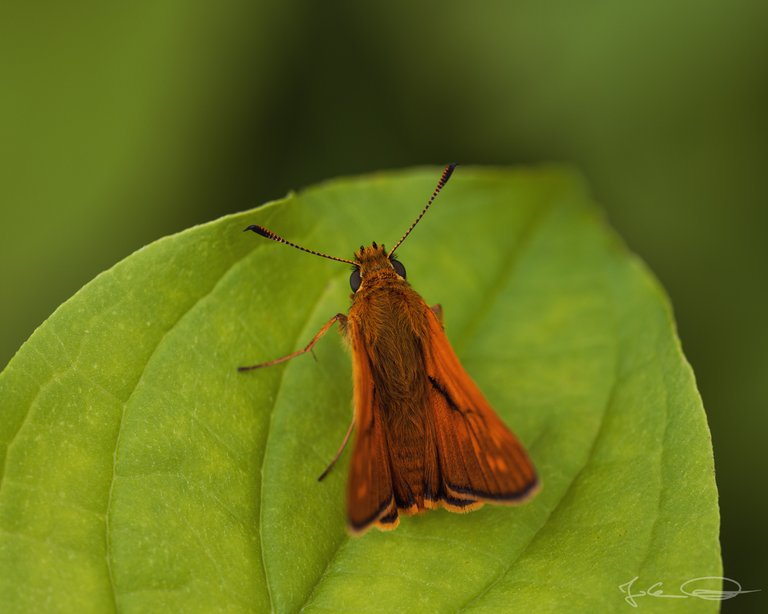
{"type": "Point", "coordinates": [338, 452]}
{"type": "Point", "coordinates": [438, 311]}
{"type": "Point", "coordinates": [339, 317]}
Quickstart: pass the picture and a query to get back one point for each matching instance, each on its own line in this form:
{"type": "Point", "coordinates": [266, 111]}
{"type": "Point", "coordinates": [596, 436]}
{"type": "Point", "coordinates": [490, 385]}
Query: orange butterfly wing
{"type": "Point", "coordinates": [470, 456]}
{"type": "Point", "coordinates": [480, 459]}
{"type": "Point", "coordinates": [370, 495]}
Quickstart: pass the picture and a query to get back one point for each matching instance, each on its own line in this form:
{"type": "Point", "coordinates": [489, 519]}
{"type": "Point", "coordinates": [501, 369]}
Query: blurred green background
{"type": "Point", "coordinates": [121, 123]}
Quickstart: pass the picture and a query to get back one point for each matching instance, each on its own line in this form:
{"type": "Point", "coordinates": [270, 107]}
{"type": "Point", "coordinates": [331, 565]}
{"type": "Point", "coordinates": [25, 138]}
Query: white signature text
{"type": "Point", "coordinates": [696, 587]}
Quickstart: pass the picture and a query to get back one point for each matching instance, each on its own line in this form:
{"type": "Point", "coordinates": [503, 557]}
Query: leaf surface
{"type": "Point", "coordinates": [142, 472]}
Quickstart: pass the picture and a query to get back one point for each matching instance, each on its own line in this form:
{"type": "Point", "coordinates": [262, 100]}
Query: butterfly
{"type": "Point", "coordinates": [426, 437]}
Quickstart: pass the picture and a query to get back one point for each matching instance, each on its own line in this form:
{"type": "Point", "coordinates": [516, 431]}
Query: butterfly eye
{"type": "Point", "coordinates": [399, 268]}
{"type": "Point", "coordinates": [354, 280]}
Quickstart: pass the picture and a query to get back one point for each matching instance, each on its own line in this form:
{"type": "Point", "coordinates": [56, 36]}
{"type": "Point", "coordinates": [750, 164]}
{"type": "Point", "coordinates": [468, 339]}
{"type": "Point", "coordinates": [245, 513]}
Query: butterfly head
{"type": "Point", "coordinates": [374, 262]}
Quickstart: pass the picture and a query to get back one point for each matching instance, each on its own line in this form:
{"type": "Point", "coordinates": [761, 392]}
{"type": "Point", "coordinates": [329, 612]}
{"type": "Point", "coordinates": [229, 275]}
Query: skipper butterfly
{"type": "Point", "coordinates": [426, 436]}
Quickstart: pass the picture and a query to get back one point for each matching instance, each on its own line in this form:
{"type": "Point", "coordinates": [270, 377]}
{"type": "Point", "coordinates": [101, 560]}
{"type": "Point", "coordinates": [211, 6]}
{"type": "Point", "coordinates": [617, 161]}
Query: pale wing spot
{"type": "Point", "coordinates": [491, 460]}
{"type": "Point", "coordinates": [362, 488]}
{"type": "Point", "coordinates": [476, 446]}
{"type": "Point", "coordinates": [502, 465]}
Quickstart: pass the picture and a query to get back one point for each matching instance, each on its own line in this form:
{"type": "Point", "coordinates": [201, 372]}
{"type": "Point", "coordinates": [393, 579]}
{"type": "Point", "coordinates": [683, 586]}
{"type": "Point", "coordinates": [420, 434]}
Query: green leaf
{"type": "Point", "coordinates": [142, 472]}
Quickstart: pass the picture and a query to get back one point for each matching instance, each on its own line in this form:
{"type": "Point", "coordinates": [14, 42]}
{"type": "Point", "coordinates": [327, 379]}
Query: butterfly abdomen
{"type": "Point", "coordinates": [415, 474]}
{"type": "Point", "coordinates": [394, 331]}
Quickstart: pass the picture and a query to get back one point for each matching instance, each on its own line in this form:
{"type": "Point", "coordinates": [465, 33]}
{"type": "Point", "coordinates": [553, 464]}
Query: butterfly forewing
{"type": "Point", "coordinates": [480, 458]}
{"type": "Point", "coordinates": [370, 496]}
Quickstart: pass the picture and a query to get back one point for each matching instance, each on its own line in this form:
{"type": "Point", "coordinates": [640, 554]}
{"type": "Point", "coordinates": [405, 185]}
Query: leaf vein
{"type": "Point", "coordinates": [314, 304]}
{"type": "Point", "coordinates": [194, 303]}
{"type": "Point", "coordinates": [571, 485]}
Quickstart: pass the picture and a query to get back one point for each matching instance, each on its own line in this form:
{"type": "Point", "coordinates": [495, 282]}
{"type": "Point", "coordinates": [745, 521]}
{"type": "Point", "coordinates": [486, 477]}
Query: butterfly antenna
{"type": "Point", "coordinates": [443, 180]}
{"type": "Point", "coordinates": [264, 232]}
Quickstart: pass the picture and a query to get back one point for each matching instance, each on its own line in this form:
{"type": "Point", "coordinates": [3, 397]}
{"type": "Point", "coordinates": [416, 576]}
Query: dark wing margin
{"type": "Point", "coordinates": [481, 460]}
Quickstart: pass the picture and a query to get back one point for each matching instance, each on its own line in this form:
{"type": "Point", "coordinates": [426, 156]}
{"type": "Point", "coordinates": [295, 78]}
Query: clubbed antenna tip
{"type": "Point", "coordinates": [259, 230]}
{"type": "Point", "coordinates": [265, 232]}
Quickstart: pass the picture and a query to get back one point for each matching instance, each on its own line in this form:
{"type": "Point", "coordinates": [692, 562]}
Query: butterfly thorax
{"type": "Point", "coordinates": [391, 318]}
